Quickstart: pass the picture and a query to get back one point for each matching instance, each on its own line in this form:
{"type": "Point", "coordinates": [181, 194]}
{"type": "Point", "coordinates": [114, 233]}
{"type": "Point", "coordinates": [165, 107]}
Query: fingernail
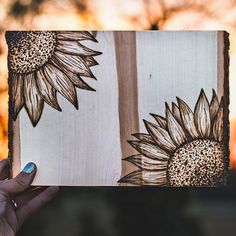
{"type": "Point", "coordinates": [29, 168]}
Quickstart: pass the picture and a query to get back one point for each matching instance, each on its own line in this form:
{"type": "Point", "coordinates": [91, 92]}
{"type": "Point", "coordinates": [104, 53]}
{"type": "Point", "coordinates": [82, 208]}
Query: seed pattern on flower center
{"type": "Point", "coordinates": [30, 50]}
{"type": "Point", "coordinates": [198, 163]}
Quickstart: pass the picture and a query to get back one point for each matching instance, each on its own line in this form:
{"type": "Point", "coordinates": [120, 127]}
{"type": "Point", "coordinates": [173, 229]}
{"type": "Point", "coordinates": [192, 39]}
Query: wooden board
{"type": "Point", "coordinates": [138, 73]}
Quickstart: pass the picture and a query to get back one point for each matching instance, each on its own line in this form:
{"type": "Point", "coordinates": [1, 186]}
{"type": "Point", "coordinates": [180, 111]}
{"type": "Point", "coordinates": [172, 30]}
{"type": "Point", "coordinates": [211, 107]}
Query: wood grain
{"type": "Point", "coordinates": [175, 63]}
{"type": "Point", "coordinates": [125, 44]}
{"type": "Point", "coordinates": [138, 72]}
{"type": "Point", "coordinates": [79, 147]}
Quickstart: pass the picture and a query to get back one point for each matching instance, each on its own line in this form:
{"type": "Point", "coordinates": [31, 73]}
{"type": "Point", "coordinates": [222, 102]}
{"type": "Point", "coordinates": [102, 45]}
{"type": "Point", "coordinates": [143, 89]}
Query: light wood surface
{"type": "Point", "coordinates": [137, 73]}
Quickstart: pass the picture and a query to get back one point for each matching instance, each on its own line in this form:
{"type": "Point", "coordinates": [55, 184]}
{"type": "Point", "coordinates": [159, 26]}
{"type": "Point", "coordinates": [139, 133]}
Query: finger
{"type": "Point", "coordinates": [24, 197]}
{"type": "Point", "coordinates": [36, 203]}
{"type": "Point", "coordinates": [21, 182]}
{"type": "Point", "coordinates": [4, 169]}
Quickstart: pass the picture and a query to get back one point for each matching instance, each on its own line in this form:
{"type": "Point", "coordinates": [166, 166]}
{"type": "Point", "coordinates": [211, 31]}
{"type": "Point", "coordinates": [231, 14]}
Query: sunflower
{"type": "Point", "coordinates": [42, 63]}
{"type": "Point", "coordinates": [185, 148]}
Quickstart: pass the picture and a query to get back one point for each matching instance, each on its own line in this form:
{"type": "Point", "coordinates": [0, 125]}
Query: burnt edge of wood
{"type": "Point", "coordinates": [10, 126]}
{"type": "Point", "coordinates": [226, 124]}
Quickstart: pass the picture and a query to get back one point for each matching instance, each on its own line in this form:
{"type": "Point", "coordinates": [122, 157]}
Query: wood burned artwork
{"type": "Point", "coordinates": [184, 144]}
{"type": "Point", "coordinates": [185, 148]}
{"type": "Point", "coordinates": [42, 63]}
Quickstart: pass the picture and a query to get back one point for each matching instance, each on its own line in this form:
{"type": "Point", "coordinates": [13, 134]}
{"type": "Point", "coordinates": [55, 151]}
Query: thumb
{"type": "Point", "coordinates": [21, 182]}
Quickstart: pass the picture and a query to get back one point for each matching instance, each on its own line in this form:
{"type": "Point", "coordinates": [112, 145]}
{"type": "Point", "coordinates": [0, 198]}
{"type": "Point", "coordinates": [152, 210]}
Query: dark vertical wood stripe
{"type": "Point", "coordinates": [125, 47]}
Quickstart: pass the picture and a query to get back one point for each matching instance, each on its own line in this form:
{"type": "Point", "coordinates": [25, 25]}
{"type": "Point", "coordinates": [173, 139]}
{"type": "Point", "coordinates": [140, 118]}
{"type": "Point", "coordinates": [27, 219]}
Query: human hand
{"type": "Point", "coordinates": [17, 201]}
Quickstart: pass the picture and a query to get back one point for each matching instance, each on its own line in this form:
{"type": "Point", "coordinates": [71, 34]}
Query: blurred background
{"type": "Point", "coordinates": [128, 211]}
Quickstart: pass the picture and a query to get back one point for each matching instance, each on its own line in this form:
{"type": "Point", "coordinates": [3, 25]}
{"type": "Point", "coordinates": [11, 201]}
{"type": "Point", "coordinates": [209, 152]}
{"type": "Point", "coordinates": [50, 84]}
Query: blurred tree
{"type": "Point", "coordinates": [19, 8]}
{"type": "Point", "coordinates": [81, 5]}
{"type": "Point", "coordinates": [158, 12]}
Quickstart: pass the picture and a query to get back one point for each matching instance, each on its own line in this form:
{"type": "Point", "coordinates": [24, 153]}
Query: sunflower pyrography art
{"type": "Point", "coordinates": [42, 63]}
{"type": "Point", "coordinates": [185, 148]}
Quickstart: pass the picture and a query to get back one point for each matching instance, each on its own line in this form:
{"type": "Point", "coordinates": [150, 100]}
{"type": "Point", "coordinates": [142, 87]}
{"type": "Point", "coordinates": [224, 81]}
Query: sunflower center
{"type": "Point", "coordinates": [198, 163]}
{"type": "Point", "coordinates": [29, 50]}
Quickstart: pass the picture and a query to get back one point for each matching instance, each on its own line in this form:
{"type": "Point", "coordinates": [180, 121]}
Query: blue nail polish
{"type": "Point", "coordinates": [29, 168]}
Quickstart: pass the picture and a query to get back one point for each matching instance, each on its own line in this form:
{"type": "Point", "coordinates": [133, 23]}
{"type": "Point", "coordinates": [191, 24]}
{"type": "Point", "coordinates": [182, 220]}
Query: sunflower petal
{"type": "Point", "coordinates": [160, 120]}
{"type": "Point", "coordinates": [143, 177]}
{"type": "Point", "coordinates": [146, 163]}
{"type": "Point", "coordinates": [218, 129]}
{"type": "Point", "coordinates": [46, 90]}
{"type": "Point", "coordinates": [75, 35]}
{"type": "Point", "coordinates": [85, 51]}
{"type": "Point", "coordinates": [175, 130]}
{"type": "Point", "coordinates": [144, 137]}
{"type": "Point", "coordinates": [150, 150]}
{"type": "Point", "coordinates": [75, 48]}
{"type": "Point", "coordinates": [176, 112]}
{"type": "Point", "coordinates": [78, 81]}
{"type": "Point", "coordinates": [61, 83]}
{"type": "Point", "coordinates": [154, 177]}
{"type": "Point", "coordinates": [202, 116]}
{"type": "Point", "coordinates": [33, 100]}
{"type": "Point", "coordinates": [214, 105]}
{"type": "Point", "coordinates": [17, 82]}
{"type": "Point", "coordinates": [187, 117]}
{"type": "Point", "coordinates": [160, 136]}
{"type": "Point", "coordinates": [90, 61]}
{"type": "Point", "coordinates": [72, 63]}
